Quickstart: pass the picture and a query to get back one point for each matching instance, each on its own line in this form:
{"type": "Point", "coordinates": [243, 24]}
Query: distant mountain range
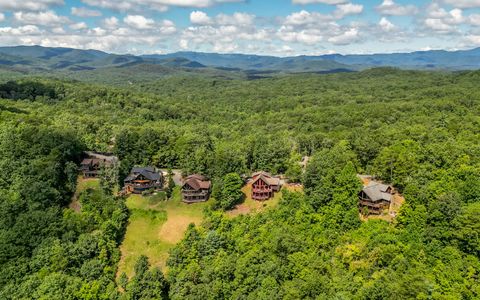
{"type": "Point", "coordinates": [434, 59]}
{"type": "Point", "coordinates": [64, 60]}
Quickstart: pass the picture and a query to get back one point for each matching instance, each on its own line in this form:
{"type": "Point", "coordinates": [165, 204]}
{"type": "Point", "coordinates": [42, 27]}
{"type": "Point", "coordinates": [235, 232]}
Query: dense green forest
{"type": "Point", "coordinates": [417, 130]}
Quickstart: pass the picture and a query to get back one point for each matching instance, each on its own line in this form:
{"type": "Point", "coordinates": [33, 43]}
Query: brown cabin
{"type": "Point", "coordinates": [94, 162]}
{"type": "Point", "coordinates": [264, 186]}
{"type": "Point", "coordinates": [143, 179]}
{"type": "Point", "coordinates": [375, 197]}
{"type": "Point", "coordinates": [196, 188]}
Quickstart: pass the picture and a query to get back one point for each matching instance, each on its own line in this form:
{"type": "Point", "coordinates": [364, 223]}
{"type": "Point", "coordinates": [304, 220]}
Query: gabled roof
{"type": "Point", "coordinates": [198, 182]}
{"type": "Point", "coordinates": [377, 191]}
{"type": "Point", "coordinates": [197, 177]}
{"type": "Point", "coordinates": [86, 162]}
{"type": "Point", "coordinates": [266, 177]}
{"type": "Point", "coordinates": [91, 162]}
{"type": "Point", "coordinates": [143, 169]}
{"type": "Point", "coordinates": [266, 174]}
{"type": "Point", "coordinates": [102, 156]}
{"type": "Point", "coordinates": [147, 172]}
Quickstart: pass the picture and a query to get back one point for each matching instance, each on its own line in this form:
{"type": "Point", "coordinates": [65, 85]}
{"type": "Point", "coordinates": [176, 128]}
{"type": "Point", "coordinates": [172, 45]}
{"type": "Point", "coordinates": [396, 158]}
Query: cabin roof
{"type": "Point", "coordinates": [91, 161]}
{"type": "Point", "coordinates": [198, 182]}
{"type": "Point", "coordinates": [147, 172]}
{"type": "Point", "coordinates": [102, 156]}
{"type": "Point", "coordinates": [377, 191]}
{"type": "Point", "coordinates": [266, 177]}
{"type": "Point", "coordinates": [197, 177]}
{"type": "Point", "coordinates": [149, 169]}
{"type": "Point", "coordinates": [86, 161]}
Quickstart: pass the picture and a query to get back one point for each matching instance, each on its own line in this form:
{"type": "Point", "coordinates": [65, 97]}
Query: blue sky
{"type": "Point", "coordinates": [273, 27]}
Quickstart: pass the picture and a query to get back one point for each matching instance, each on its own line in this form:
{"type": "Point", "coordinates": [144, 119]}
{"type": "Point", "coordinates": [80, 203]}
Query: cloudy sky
{"type": "Point", "coordinates": [274, 27]}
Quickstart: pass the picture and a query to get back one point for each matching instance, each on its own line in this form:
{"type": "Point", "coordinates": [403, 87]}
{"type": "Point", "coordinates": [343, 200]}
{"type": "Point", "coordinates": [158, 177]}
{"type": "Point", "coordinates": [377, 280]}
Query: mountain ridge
{"type": "Point", "coordinates": [51, 59]}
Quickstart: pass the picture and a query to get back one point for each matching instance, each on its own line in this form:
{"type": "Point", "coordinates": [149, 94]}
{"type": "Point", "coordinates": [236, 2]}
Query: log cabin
{"type": "Point", "coordinates": [264, 186]}
{"type": "Point", "coordinates": [375, 198]}
{"type": "Point", "coordinates": [143, 179]}
{"type": "Point", "coordinates": [90, 167]}
{"type": "Point", "coordinates": [196, 188]}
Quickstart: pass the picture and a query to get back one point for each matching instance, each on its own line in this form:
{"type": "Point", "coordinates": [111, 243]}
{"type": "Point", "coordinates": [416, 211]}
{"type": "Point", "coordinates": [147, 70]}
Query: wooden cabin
{"type": "Point", "coordinates": [143, 179]}
{"type": "Point", "coordinates": [264, 186]}
{"type": "Point", "coordinates": [94, 162]}
{"type": "Point", "coordinates": [375, 197]}
{"type": "Point", "coordinates": [196, 188]}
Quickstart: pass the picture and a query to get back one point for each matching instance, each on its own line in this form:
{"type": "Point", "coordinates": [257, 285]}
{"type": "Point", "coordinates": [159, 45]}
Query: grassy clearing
{"type": "Point", "coordinates": [82, 185]}
{"type": "Point", "coordinates": [141, 239]}
{"type": "Point", "coordinates": [155, 226]}
{"type": "Point", "coordinates": [250, 206]}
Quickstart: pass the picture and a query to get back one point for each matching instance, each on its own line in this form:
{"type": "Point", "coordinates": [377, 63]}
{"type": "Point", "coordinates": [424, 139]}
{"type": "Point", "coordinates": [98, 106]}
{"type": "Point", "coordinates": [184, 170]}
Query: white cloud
{"type": "Point", "coordinates": [347, 9]}
{"type": "Point", "coordinates": [305, 36]}
{"type": "Point", "coordinates": [167, 27]}
{"type": "Point", "coordinates": [331, 2]}
{"type": "Point", "coordinates": [390, 8]}
{"type": "Point", "coordinates": [28, 4]}
{"type": "Point", "coordinates": [348, 37]}
{"type": "Point", "coordinates": [305, 17]}
{"type": "Point", "coordinates": [224, 47]}
{"type": "Point", "coordinates": [58, 30]}
{"type": "Point", "coordinates": [439, 26]}
{"type": "Point", "coordinates": [46, 18]}
{"type": "Point", "coordinates": [183, 44]}
{"type": "Point", "coordinates": [114, 5]}
{"type": "Point", "coordinates": [190, 3]}
{"type": "Point", "coordinates": [20, 31]}
{"type": "Point", "coordinates": [312, 28]}
{"type": "Point", "coordinates": [139, 22]}
{"type": "Point", "coordinates": [452, 17]}
{"type": "Point", "coordinates": [200, 18]}
{"type": "Point", "coordinates": [223, 32]}
{"type": "Point", "coordinates": [2, 17]}
{"type": "Point", "coordinates": [474, 19]}
{"type": "Point", "coordinates": [463, 3]}
{"type": "Point", "coordinates": [239, 19]}
{"type": "Point", "coordinates": [159, 5]}
{"type": "Point", "coordinates": [434, 11]}
{"type": "Point", "coordinates": [473, 39]}
{"type": "Point", "coordinates": [443, 22]}
{"type": "Point", "coordinates": [85, 12]}
{"type": "Point", "coordinates": [456, 16]}
{"type": "Point", "coordinates": [79, 26]}
{"type": "Point", "coordinates": [386, 25]}
{"type": "Point", "coordinates": [111, 22]}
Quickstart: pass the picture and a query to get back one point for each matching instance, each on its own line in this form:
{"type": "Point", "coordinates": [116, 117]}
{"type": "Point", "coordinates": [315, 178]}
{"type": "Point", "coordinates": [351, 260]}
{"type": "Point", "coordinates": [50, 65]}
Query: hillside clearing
{"type": "Point", "coordinates": [250, 206]}
{"type": "Point", "coordinates": [154, 227]}
{"type": "Point", "coordinates": [82, 185]}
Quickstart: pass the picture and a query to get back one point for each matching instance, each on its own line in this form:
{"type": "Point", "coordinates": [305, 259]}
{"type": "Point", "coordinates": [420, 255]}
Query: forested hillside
{"type": "Point", "coordinates": [417, 130]}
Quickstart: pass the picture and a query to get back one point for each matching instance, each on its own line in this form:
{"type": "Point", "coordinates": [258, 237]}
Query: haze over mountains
{"type": "Point", "coordinates": [41, 59]}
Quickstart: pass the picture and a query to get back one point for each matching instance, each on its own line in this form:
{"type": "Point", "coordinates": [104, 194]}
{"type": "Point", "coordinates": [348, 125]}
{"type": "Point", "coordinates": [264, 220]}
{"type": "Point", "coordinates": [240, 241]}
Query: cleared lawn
{"type": "Point", "coordinates": [155, 226]}
{"type": "Point", "coordinates": [82, 185]}
{"type": "Point", "coordinates": [250, 206]}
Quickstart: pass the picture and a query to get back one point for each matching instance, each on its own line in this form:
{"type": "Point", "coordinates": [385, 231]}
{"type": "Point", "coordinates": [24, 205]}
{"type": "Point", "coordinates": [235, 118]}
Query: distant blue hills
{"type": "Point", "coordinates": [435, 59]}
{"type": "Point", "coordinates": [44, 59]}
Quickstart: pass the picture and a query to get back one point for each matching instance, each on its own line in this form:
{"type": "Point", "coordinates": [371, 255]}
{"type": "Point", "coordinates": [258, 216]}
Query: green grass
{"type": "Point", "coordinates": [82, 185]}
{"type": "Point", "coordinates": [155, 226]}
{"type": "Point", "coordinates": [250, 206]}
{"type": "Point", "coordinates": [142, 239]}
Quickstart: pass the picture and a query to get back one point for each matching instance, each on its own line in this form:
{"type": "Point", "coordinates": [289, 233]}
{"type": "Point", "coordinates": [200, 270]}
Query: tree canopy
{"type": "Point", "coordinates": [416, 130]}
